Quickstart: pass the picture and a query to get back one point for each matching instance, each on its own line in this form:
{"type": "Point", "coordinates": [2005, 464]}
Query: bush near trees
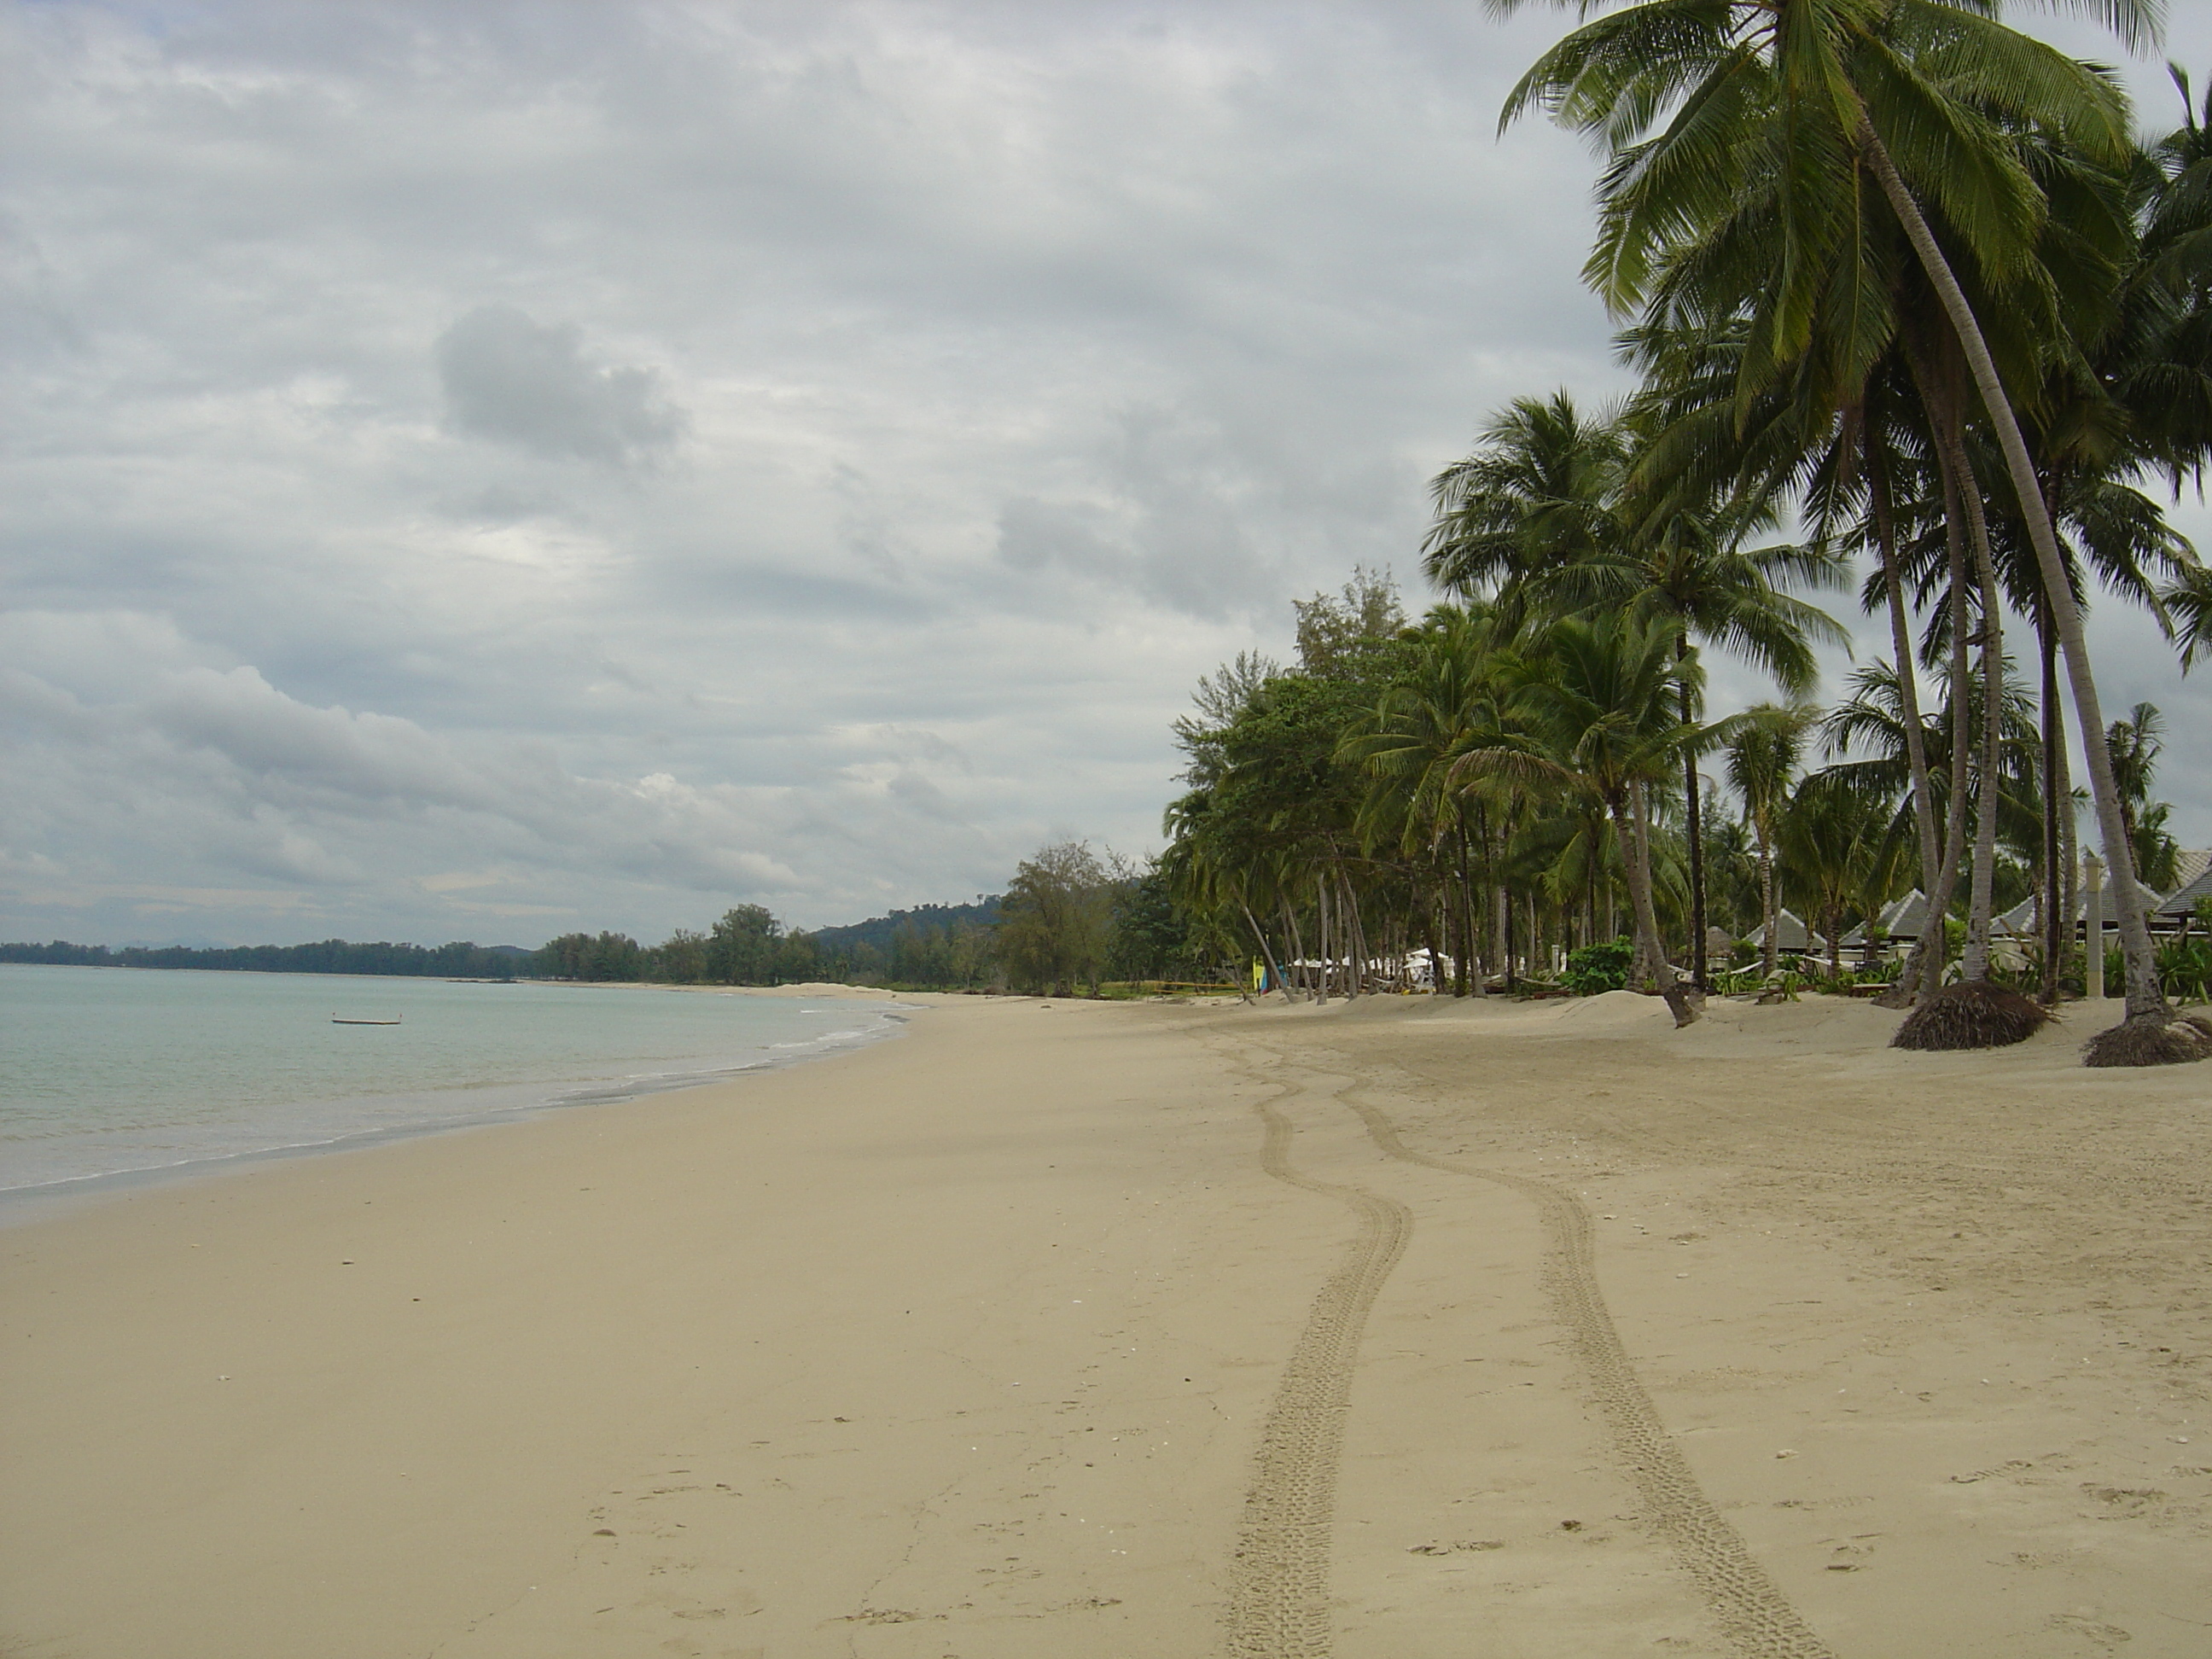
{"type": "Point", "coordinates": [1594, 968]}
{"type": "Point", "coordinates": [607, 957]}
{"type": "Point", "coordinates": [1056, 921]}
{"type": "Point", "coordinates": [747, 946]}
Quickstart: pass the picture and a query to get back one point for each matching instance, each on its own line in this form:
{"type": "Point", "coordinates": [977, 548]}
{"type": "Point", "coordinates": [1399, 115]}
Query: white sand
{"type": "Point", "coordinates": [1003, 1340]}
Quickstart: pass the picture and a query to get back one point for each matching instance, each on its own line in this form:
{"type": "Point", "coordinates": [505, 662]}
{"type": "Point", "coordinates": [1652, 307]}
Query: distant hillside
{"type": "Point", "coordinates": [877, 930]}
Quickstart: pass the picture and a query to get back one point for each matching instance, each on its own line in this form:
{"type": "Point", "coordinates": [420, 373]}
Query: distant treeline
{"type": "Point", "coordinates": [1068, 919]}
{"type": "Point", "coordinates": [463, 959]}
{"type": "Point", "coordinates": [882, 932]}
{"type": "Point", "coordinates": [943, 946]}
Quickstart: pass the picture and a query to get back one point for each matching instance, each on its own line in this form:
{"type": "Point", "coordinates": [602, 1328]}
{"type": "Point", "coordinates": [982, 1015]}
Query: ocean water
{"type": "Point", "coordinates": [109, 1073]}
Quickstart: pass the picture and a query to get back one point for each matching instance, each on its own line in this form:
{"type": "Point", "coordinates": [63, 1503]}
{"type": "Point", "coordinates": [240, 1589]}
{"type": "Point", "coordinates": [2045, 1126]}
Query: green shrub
{"type": "Point", "coordinates": [1597, 968]}
{"type": "Point", "coordinates": [2184, 968]}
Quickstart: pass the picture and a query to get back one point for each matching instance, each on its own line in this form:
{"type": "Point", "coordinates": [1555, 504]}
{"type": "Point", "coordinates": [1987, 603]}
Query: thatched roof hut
{"type": "Point", "coordinates": [1791, 936]}
{"type": "Point", "coordinates": [1901, 920]}
{"type": "Point", "coordinates": [2182, 904]}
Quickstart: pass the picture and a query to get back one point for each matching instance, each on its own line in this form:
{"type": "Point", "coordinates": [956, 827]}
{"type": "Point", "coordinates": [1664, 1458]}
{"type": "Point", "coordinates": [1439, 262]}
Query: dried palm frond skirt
{"type": "Point", "coordinates": [2151, 1042]}
{"type": "Point", "coordinates": [1974, 1014]}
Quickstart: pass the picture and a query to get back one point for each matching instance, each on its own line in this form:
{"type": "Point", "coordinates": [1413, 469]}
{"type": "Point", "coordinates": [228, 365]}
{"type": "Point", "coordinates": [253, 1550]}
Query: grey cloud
{"type": "Point", "coordinates": [1175, 521]}
{"type": "Point", "coordinates": [1022, 362]}
{"type": "Point", "coordinates": [1033, 534]}
{"type": "Point", "coordinates": [248, 783]}
{"type": "Point", "coordinates": [518, 381]}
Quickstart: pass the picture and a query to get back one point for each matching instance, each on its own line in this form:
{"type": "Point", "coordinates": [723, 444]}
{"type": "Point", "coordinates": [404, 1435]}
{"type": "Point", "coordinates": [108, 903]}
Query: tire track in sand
{"type": "Point", "coordinates": [1750, 1610]}
{"type": "Point", "coordinates": [1279, 1605]}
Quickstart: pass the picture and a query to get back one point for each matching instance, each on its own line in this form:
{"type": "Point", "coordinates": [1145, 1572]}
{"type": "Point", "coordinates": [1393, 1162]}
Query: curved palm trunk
{"type": "Point", "coordinates": [2057, 917]}
{"type": "Point", "coordinates": [1267, 952]}
{"type": "Point", "coordinates": [1465, 973]}
{"type": "Point", "coordinates": [1769, 911]}
{"type": "Point", "coordinates": [1908, 681]}
{"type": "Point", "coordinates": [2145, 1000]}
{"type": "Point", "coordinates": [1932, 949]}
{"type": "Point", "coordinates": [1505, 901]}
{"type": "Point", "coordinates": [1356, 935]}
{"type": "Point", "coordinates": [1321, 931]}
{"type": "Point", "coordinates": [1428, 917]}
{"type": "Point", "coordinates": [1981, 902]}
{"type": "Point", "coordinates": [1908, 703]}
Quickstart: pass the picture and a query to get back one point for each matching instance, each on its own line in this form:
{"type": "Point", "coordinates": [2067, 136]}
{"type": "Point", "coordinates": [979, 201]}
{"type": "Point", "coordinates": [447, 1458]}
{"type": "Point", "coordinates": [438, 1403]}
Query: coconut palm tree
{"type": "Point", "coordinates": [1857, 472]}
{"type": "Point", "coordinates": [1833, 93]}
{"type": "Point", "coordinates": [1540, 490]}
{"type": "Point", "coordinates": [2136, 743]}
{"type": "Point", "coordinates": [1840, 849]}
{"type": "Point", "coordinates": [1694, 574]}
{"type": "Point", "coordinates": [1763, 757]}
{"type": "Point", "coordinates": [1445, 703]}
{"type": "Point", "coordinates": [2189, 602]}
{"type": "Point", "coordinates": [1596, 700]}
{"type": "Point", "coordinates": [1558, 515]}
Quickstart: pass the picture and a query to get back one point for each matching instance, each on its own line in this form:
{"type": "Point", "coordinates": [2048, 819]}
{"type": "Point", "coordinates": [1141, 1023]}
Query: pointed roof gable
{"type": "Point", "coordinates": [2184, 901]}
{"type": "Point", "coordinates": [1791, 933]}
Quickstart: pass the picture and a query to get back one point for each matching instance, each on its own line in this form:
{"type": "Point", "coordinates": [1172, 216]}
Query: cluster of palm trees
{"type": "Point", "coordinates": [1893, 276]}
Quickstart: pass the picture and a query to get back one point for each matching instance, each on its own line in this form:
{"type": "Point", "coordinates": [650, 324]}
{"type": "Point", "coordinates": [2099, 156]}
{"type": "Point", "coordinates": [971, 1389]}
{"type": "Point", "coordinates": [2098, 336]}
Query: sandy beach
{"type": "Point", "coordinates": [1395, 1331]}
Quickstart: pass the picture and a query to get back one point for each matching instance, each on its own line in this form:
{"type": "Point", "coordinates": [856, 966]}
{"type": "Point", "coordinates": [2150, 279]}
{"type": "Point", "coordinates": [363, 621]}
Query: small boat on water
{"type": "Point", "coordinates": [335, 1020]}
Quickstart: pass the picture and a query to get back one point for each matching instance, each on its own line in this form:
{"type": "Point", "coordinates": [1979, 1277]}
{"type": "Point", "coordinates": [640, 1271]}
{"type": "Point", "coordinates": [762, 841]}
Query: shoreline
{"type": "Point", "coordinates": [493, 1103]}
{"type": "Point", "coordinates": [1114, 1329]}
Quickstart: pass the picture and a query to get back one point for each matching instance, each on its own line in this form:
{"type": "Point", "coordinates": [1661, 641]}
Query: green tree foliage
{"type": "Point", "coordinates": [1841, 852]}
{"type": "Point", "coordinates": [1763, 759]}
{"type": "Point", "coordinates": [2136, 743]}
{"type": "Point", "coordinates": [1056, 919]}
{"type": "Point", "coordinates": [605, 957]}
{"type": "Point", "coordinates": [936, 956]}
{"type": "Point", "coordinates": [1839, 180]}
{"type": "Point", "coordinates": [1153, 936]}
{"type": "Point", "coordinates": [1593, 969]}
{"type": "Point", "coordinates": [747, 946]}
{"type": "Point", "coordinates": [744, 947]}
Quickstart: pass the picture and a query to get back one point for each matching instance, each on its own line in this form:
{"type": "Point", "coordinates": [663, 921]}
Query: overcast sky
{"type": "Point", "coordinates": [479, 471]}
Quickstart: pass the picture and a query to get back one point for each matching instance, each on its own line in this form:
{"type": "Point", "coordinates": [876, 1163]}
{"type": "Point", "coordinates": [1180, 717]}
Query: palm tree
{"type": "Point", "coordinates": [2135, 398]}
{"type": "Point", "coordinates": [1827, 93]}
{"type": "Point", "coordinates": [1562, 516]}
{"type": "Point", "coordinates": [1537, 491]}
{"type": "Point", "coordinates": [1840, 849]}
{"type": "Point", "coordinates": [1858, 472]}
{"type": "Point", "coordinates": [1444, 704]}
{"type": "Point", "coordinates": [1762, 760]}
{"type": "Point", "coordinates": [2136, 743]}
{"type": "Point", "coordinates": [1693, 570]}
{"type": "Point", "coordinates": [1596, 700]}
{"type": "Point", "coordinates": [2189, 602]}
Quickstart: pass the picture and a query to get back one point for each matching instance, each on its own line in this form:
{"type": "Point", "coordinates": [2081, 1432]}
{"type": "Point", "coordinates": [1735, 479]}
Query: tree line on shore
{"type": "Point", "coordinates": [1894, 274]}
{"type": "Point", "coordinates": [1071, 919]}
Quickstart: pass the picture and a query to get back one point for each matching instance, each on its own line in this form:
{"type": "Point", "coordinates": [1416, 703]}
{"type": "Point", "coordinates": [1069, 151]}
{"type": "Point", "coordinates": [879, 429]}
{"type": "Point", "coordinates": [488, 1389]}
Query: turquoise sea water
{"type": "Point", "coordinates": [107, 1073]}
